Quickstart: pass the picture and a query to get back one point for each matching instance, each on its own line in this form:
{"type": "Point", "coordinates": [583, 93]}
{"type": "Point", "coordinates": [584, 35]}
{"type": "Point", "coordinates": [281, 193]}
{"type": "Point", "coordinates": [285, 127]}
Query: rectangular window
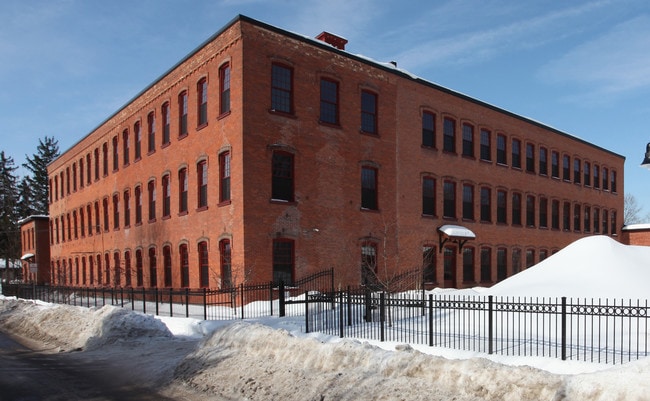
{"type": "Point", "coordinates": [282, 174]}
{"type": "Point", "coordinates": [283, 261]}
{"type": "Point", "coordinates": [605, 222]}
{"type": "Point", "coordinates": [166, 188]}
{"type": "Point", "coordinates": [116, 212]}
{"type": "Point", "coordinates": [486, 205]}
{"type": "Point", "coordinates": [204, 265]}
{"type": "Point", "coordinates": [369, 188]}
{"type": "Point", "coordinates": [202, 93]}
{"type": "Point", "coordinates": [468, 140]}
{"type": "Point", "coordinates": [516, 153]}
{"type": "Point", "coordinates": [182, 191]}
{"type": "Point", "coordinates": [468, 202]}
{"type": "Point", "coordinates": [167, 266]}
{"type": "Point", "coordinates": [613, 181]}
{"type": "Point", "coordinates": [429, 264]}
{"type": "Point", "coordinates": [185, 265]}
{"type": "Point", "coordinates": [153, 268]}
{"type": "Point", "coordinates": [577, 175]}
{"type": "Point", "coordinates": [105, 214]}
{"type": "Point", "coordinates": [151, 129]}
{"type": "Point", "coordinates": [116, 156]}
{"type": "Point", "coordinates": [502, 264]}
{"type": "Point", "coordinates": [468, 265]}
{"type": "Point", "coordinates": [368, 112]}
{"type": "Point", "coordinates": [125, 145]}
{"type": "Point", "coordinates": [127, 268]}
{"type": "Point", "coordinates": [182, 114]}
{"type": "Point", "coordinates": [226, 264]}
{"type": "Point", "coordinates": [596, 176]}
{"type": "Point", "coordinates": [543, 161]}
{"type": "Point", "coordinates": [166, 123]}
{"type": "Point", "coordinates": [428, 196]}
{"type": "Point", "coordinates": [587, 174]}
{"type": "Point", "coordinates": [281, 89]}
{"type": "Point", "coordinates": [596, 220]}
{"type": "Point", "coordinates": [530, 158]}
{"type": "Point", "coordinates": [449, 202]}
{"type": "Point", "coordinates": [486, 265]}
{"type": "Point", "coordinates": [555, 164]}
{"type": "Point", "coordinates": [577, 217]}
{"type": "Point", "coordinates": [139, 279]}
{"type": "Point", "coordinates": [202, 184]}
{"type": "Point", "coordinates": [81, 177]}
{"type": "Point", "coordinates": [428, 129]}
{"type": "Point", "coordinates": [530, 258]}
{"type": "Point", "coordinates": [138, 141]}
{"type": "Point", "coordinates": [138, 205]}
{"type": "Point", "coordinates": [566, 168]}
{"type": "Point", "coordinates": [127, 209]}
{"type": "Point", "coordinates": [224, 85]}
{"type": "Point", "coordinates": [543, 212]}
{"type": "Point", "coordinates": [502, 201]}
{"type": "Point", "coordinates": [329, 101]}
{"type": "Point", "coordinates": [486, 145]}
{"type": "Point", "coordinates": [152, 200]}
{"type": "Point", "coordinates": [369, 264]}
{"type": "Point", "coordinates": [605, 179]}
{"type": "Point", "coordinates": [613, 220]}
{"type": "Point", "coordinates": [104, 164]}
{"type": "Point", "coordinates": [587, 217]}
{"type": "Point", "coordinates": [566, 216]}
{"type": "Point", "coordinates": [449, 135]}
{"type": "Point", "coordinates": [516, 209]}
{"type": "Point", "coordinates": [530, 211]}
{"type": "Point", "coordinates": [502, 157]}
{"type": "Point", "coordinates": [224, 177]}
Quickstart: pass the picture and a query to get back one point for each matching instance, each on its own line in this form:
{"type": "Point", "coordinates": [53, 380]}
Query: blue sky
{"type": "Point", "coordinates": [579, 66]}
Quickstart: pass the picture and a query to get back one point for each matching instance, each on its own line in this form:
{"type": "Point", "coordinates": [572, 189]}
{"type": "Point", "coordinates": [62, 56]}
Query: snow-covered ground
{"type": "Point", "coordinates": [272, 359]}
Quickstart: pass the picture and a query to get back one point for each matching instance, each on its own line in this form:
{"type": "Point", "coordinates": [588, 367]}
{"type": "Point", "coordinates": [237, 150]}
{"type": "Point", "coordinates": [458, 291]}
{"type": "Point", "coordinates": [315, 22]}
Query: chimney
{"type": "Point", "coordinates": [333, 40]}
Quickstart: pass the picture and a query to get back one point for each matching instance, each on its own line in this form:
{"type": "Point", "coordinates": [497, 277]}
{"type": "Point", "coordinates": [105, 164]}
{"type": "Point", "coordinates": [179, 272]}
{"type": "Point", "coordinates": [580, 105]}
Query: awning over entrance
{"type": "Point", "coordinates": [27, 256]}
{"type": "Point", "coordinates": [454, 233]}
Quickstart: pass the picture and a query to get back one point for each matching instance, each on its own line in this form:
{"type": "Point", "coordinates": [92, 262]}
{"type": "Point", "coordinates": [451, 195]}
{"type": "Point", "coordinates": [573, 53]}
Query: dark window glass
{"type": "Point", "coordinates": [468, 140]}
{"type": "Point", "coordinates": [153, 268]}
{"type": "Point", "coordinates": [202, 184]}
{"type": "Point", "coordinates": [530, 158]}
{"type": "Point", "coordinates": [486, 265]}
{"type": "Point", "coordinates": [368, 112]}
{"type": "Point", "coordinates": [449, 135]}
{"type": "Point", "coordinates": [449, 203]}
{"type": "Point", "coordinates": [566, 168]}
{"type": "Point", "coordinates": [486, 204]}
{"type": "Point", "coordinates": [166, 121]}
{"type": "Point", "coordinates": [116, 160]}
{"type": "Point", "coordinates": [224, 177]}
{"type": "Point", "coordinates": [283, 262]}
{"type": "Point", "coordinates": [577, 175]}
{"type": "Point", "coordinates": [468, 202]}
{"type": "Point", "coordinates": [577, 217]}
{"type": "Point", "coordinates": [369, 264]}
{"type": "Point", "coordinates": [127, 208]}
{"type": "Point", "coordinates": [224, 84]}
{"type": "Point", "coordinates": [566, 216]}
{"type": "Point", "coordinates": [182, 191]}
{"type": "Point", "coordinates": [282, 172]}
{"type": "Point", "coordinates": [125, 145]}
{"type": "Point", "coordinates": [369, 188]}
{"type": "Point", "coordinates": [502, 264]}
{"type": "Point", "coordinates": [281, 89]}
{"type": "Point", "coordinates": [555, 165]}
{"type": "Point", "coordinates": [516, 153]}
{"type": "Point", "coordinates": [428, 129]}
{"type": "Point", "coordinates": [486, 145]}
{"type": "Point", "coordinates": [139, 279]}
{"type": "Point", "coordinates": [182, 114]}
{"type": "Point", "coordinates": [329, 101]}
{"type": "Point", "coordinates": [185, 265]}
{"type": "Point", "coordinates": [501, 207]}
{"type": "Point", "coordinates": [516, 209]}
{"type": "Point", "coordinates": [429, 264]}
{"type": "Point", "coordinates": [587, 173]}
{"type": "Point", "coordinates": [137, 137]}
{"type": "Point", "coordinates": [501, 150]}
{"type": "Point", "coordinates": [202, 92]}
{"type": "Point", "coordinates": [138, 205]}
{"type": "Point", "coordinates": [468, 265]}
{"type": "Point", "coordinates": [204, 265]}
{"type": "Point", "coordinates": [543, 212]}
{"type": "Point", "coordinates": [167, 266]}
{"type": "Point", "coordinates": [596, 176]}
{"type": "Point", "coordinates": [226, 264]}
{"type": "Point", "coordinates": [555, 215]}
{"type": "Point", "coordinates": [166, 188]}
{"type": "Point", "coordinates": [543, 161]}
{"type": "Point", "coordinates": [530, 211]}
{"type": "Point", "coordinates": [151, 129]}
{"type": "Point", "coordinates": [428, 196]}
{"type": "Point", "coordinates": [151, 187]}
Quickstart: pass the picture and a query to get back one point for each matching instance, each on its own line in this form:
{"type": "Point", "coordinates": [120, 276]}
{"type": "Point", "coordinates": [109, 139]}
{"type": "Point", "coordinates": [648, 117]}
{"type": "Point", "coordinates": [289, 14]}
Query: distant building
{"type": "Point", "coordinates": [636, 234]}
{"type": "Point", "coordinates": [265, 155]}
{"type": "Point", "coordinates": [35, 241]}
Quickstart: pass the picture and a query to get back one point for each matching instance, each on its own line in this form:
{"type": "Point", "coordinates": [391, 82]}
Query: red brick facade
{"type": "Point", "coordinates": [35, 244]}
{"type": "Point", "coordinates": [275, 184]}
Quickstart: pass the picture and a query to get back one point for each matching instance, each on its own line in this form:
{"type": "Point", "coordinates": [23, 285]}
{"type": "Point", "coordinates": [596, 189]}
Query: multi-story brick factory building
{"type": "Point", "coordinates": [265, 155]}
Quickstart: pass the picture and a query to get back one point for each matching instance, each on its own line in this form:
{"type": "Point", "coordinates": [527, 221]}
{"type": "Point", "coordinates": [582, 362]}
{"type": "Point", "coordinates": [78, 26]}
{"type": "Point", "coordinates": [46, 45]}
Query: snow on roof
{"type": "Point", "coordinates": [451, 230]}
{"type": "Point", "coordinates": [640, 226]}
{"type": "Point", "coordinates": [592, 267]}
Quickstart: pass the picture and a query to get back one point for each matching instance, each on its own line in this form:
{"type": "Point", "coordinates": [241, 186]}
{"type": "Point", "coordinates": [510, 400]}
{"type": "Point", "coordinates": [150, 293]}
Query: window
{"type": "Point", "coordinates": [596, 176]}
{"type": "Point", "coordinates": [543, 161]}
{"type": "Point", "coordinates": [224, 177]}
{"type": "Point", "coordinates": [182, 191]}
{"type": "Point", "coordinates": [486, 145]}
{"type": "Point", "coordinates": [117, 267]}
{"type": "Point", "coordinates": [449, 135]}
{"type": "Point", "coordinates": [516, 153]}
{"type": "Point", "coordinates": [167, 266]}
{"type": "Point", "coordinates": [138, 268]}
{"type": "Point", "coordinates": [555, 164]}
{"type": "Point", "coordinates": [151, 188]}
{"type": "Point", "coordinates": [516, 261]}
{"type": "Point", "coordinates": [502, 264]}
{"type": "Point", "coordinates": [127, 268]}
{"type": "Point", "coordinates": [613, 181]}
{"type": "Point", "coordinates": [82, 222]}
{"type": "Point", "coordinates": [116, 212]}
{"type": "Point", "coordinates": [530, 158]}
{"type": "Point", "coordinates": [138, 141]}
{"type": "Point", "coordinates": [167, 195]}
{"type": "Point", "coordinates": [605, 179]}
{"type": "Point", "coordinates": [125, 147]}
{"type": "Point", "coordinates": [486, 205]}
{"type": "Point", "coordinates": [368, 263]}
{"type": "Point", "coordinates": [501, 150]}
{"type": "Point", "coordinates": [281, 89]}
{"type": "Point", "coordinates": [185, 265]}
{"type": "Point", "coordinates": [501, 207]}
{"type": "Point", "coordinates": [468, 202]}
{"type": "Point", "coordinates": [577, 217]}
{"type": "Point", "coordinates": [90, 219]}
{"type": "Point", "coordinates": [486, 265]}
{"type": "Point", "coordinates": [202, 184]}
{"type": "Point", "coordinates": [468, 140]}
{"type": "Point", "coordinates": [283, 261]}
{"type": "Point", "coordinates": [428, 129]}
{"type": "Point", "coordinates": [605, 222]}
{"type": "Point", "coordinates": [182, 114]}
{"type": "Point", "coordinates": [97, 226]}
{"type": "Point", "coordinates": [138, 205]}
{"type": "Point", "coordinates": [449, 202]}
{"type": "Point", "coordinates": [165, 121]}
{"type": "Point", "coordinates": [530, 258]}
{"type": "Point", "coordinates": [127, 209]}
{"type": "Point", "coordinates": [576, 171]}
{"type": "Point", "coordinates": [116, 156]}
{"type": "Point", "coordinates": [596, 220]}
{"type": "Point", "coordinates": [224, 86]}
{"type": "Point", "coordinates": [587, 219]}
{"type": "Point", "coordinates": [566, 216]}
{"type": "Point", "coordinates": [368, 112]}
{"type": "Point", "coordinates": [104, 159]}
{"type": "Point", "coordinates": [468, 265]}
{"type": "Point", "coordinates": [81, 177]}
{"type": "Point", "coordinates": [329, 101]}
{"type": "Point", "coordinates": [282, 172]}
{"type": "Point", "coordinates": [74, 176]}
{"type": "Point", "coordinates": [543, 212]}
{"type": "Point", "coordinates": [530, 211]}
{"type": "Point", "coordinates": [226, 264]}
{"type": "Point", "coordinates": [202, 101]}
{"type": "Point", "coordinates": [566, 172]}
{"type": "Point", "coordinates": [75, 224]}
{"type": "Point", "coordinates": [429, 264]}
{"type": "Point", "coordinates": [153, 269]}
{"type": "Point", "coordinates": [204, 265]}
{"type": "Point", "coordinates": [151, 129]}
{"type": "Point", "coordinates": [428, 196]}
{"type": "Point", "coordinates": [587, 174]}
{"type": "Point", "coordinates": [105, 213]}
{"type": "Point", "coordinates": [369, 188]}
{"type": "Point", "coordinates": [516, 209]}
{"type": "Point", "coordinates": [613, 220]}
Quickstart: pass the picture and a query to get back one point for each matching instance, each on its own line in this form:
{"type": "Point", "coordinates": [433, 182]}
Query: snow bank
{"type": "Point", "coordinates": [591, 267]}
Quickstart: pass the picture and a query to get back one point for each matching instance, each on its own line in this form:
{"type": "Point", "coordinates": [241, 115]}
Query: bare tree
{"type": "Point", "coordinates": [632, 210]}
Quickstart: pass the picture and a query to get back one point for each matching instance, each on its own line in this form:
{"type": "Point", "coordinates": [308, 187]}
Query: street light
{"type": "Point", "coordinates": [646, 159]}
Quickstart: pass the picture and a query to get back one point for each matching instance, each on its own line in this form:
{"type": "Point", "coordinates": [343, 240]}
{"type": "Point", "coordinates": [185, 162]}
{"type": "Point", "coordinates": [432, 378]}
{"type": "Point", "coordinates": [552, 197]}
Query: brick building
{"type": "Point", "coordinates": [265, 155]}
{"type": "Point", "coordinates": [35, 244]}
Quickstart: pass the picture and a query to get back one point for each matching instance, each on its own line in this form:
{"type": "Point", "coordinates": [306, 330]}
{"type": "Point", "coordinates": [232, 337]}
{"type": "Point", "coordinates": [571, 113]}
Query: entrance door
{"type": "Point", "coordinates": [450, 267]}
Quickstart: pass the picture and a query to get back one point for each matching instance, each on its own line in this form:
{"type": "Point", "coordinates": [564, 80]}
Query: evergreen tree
{"type": "Point", "coordinates": [9, 231]}
{"type": "Point", "coordinates": [37, 181]}
{"type": "Point", "coordinates": [25, 207]}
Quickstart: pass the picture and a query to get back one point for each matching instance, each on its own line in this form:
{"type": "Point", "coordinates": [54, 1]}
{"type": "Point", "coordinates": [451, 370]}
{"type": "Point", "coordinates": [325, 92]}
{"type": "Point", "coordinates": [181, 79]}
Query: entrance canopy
{"type": "Point", "coordinates": [454, 233]}
{"type": "Point", "coordinates": [27, 256]}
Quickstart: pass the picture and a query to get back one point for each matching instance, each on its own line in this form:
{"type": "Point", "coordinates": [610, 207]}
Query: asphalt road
{"type": "Point", "coordinates": [29, 375]}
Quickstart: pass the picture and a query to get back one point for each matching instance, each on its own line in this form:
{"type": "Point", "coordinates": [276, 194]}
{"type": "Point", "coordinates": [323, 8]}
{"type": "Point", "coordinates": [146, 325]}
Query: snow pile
{"type": "Point", "coordinates": [591, 267]}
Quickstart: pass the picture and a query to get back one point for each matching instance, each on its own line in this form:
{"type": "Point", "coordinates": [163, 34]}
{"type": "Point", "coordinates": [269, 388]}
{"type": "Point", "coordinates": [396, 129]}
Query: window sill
{"type": "Point", "coordinates": [224, 203]}
{"type": "Point", "coordinates": [428, 147]}
{"type": "Point", "coordinates": [282, 202]}
{"type": "Point", "coordinates": [151, 220]}
{"type": "Point", "coordinates": [202, 208]}
{"type": "Point", "coordinates": [469, 157]}
{"type": "Point", "coordinates": [166, 217]}
{"type": "Point", "coordinates": [487, 161]}
{"type": "Point", "coordinates": [200, 127]}
{"type": "Point", "coordinates": [151, 152]}
{"type": "Point", "coordinates": [182, 136]}
{"type": "Point", "coordinates": [138, 224]}
{"type": "Point", "coordinates": [223, 115]}
{"type": "Point", "coordinates": [165, 145]}
{"type": "Point", "coordinates": [330, 125]}
{"type": "Point", "coordinates": [370, 134]}
{"type": "Point", "coordinates": [183, 213]}
{"type": "Point", "coordinates": [364, 209]}
{"type": "Point", "coordinates": [282, 113]}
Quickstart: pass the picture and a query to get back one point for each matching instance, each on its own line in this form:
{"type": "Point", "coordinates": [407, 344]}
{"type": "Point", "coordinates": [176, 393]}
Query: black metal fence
{"type": "Point", "coordinates": [245, 301]}
{"type": "Point", "coordinates": [603, 331]}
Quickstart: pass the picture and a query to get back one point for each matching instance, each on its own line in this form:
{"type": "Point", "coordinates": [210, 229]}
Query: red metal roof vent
{"type": "Point", "coordinates": [333, 40]}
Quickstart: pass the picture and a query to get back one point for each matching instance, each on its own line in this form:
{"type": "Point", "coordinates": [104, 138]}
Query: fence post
{"type": "Point", "coordinates": [281, 297]}
{"type": "Point", "coordinates": [132, 298]}
{"type": "Point", "coordinates": [564, 328]}
{"type": "Point", "coordinates": [144, 301]}
{"type": "Point", "coordinates": [332, 287]}
{"type": "Point", "coordinates": [241, 299]}
{"type": "Point", "coordinates": [490, 324]}
{"type": "Point", "coordinates": [205, 303]}
{"type": "Point", "coordinates": [306, 313]}
{"type": "Point", "coordinates": [349, 306]}
{"type": "Point", "coordinates": [271, 296]}
{"type": "Point", "coordinates": [187, 302]}
{"type": "Point", "coordinates": [157, 306]}
{"type": "Point", "coordinates": [341, 312]}
{"type": "Point", "coordinates": [430, 320]}
{"type": "Point", "coordinates": [382, 314]}
{"type": "Point", "coordinates": [171, 302]}
{"type": "Point", "coordinates": [368, 305]}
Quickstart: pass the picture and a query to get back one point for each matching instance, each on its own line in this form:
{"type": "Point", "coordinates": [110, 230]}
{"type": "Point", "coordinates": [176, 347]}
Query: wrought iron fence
{"type": "Point", "coordinates": [596, 330]}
